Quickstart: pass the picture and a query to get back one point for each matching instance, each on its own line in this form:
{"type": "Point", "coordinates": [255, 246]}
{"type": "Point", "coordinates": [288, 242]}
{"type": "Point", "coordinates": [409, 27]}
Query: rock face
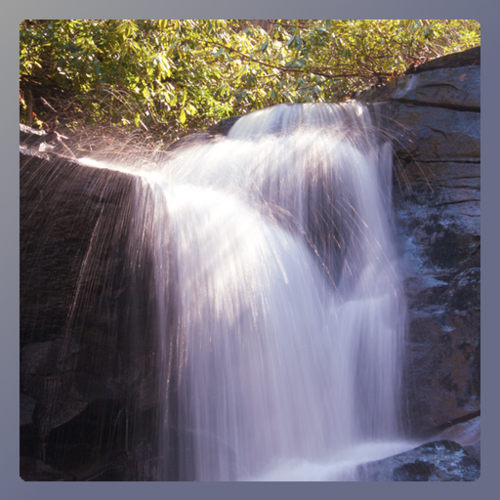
{"type": "Point", "coordinates": [86, 379]}
{"type": "Point", "coordinates": [86, 383]}
{"type": "Point", "coordinates": [433, 117]}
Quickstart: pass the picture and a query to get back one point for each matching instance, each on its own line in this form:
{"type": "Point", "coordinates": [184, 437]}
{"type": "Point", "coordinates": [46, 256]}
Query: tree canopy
{"type": "Point", "coordinates": [170, 76]}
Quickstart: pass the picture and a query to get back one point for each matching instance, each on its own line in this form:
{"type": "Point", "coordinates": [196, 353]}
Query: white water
{"type": "Point", "coordinates": [290, 313]}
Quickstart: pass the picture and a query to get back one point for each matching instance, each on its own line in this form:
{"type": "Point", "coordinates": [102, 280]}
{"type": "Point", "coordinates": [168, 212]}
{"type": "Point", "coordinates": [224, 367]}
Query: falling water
{"type": "Point", "coordinates": [278, 298]}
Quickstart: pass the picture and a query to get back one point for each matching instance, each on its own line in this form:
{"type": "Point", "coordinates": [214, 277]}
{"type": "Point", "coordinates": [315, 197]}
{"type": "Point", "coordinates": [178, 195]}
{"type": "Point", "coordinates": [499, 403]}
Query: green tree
{"type": "Point", "coordinates": [169, 76]}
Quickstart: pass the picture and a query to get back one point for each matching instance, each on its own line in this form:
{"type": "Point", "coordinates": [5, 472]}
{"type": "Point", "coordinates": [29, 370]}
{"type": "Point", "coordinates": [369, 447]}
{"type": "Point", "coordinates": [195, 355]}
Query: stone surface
{"type": "Point", "coordinates": [432, 134]}
{"type": "Point", "coordinates": [470, 57]}
{"type": "Point", "coordinates": [436, 461]}
{"type": "Point", "coordinates": [35, 470]}
{"type": "Point", "coordinates": [467, 434]}
{"type": "Point", "coordinates": [27, 406]}
{"type": "Point", "coordinates": [433, 120]}
{"type": "Point", "coordinates": [453, 88]}
{"type": "Point", "coordinates": [82, 373]}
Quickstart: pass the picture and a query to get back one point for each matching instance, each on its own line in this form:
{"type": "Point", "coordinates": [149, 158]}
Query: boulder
{"type": "Point", "coordinates": [454, 88]}
{"type": "Point", "coordinates": [467, 434]}
{"type": "Point", "coordinates": [435, 461]}
{"type": "Point", "coordinates": [82, 374]}
{"type": "Point", "coordinates": [469, 57]}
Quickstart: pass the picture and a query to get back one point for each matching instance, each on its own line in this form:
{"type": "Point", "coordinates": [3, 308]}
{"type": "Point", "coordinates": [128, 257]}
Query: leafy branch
{"type": "Point", "coordinates": [176, 75]}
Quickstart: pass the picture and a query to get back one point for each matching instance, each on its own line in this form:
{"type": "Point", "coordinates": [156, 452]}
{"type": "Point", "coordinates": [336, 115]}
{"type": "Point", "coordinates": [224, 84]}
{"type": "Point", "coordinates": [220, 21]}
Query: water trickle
{"type": "Point", "coordinates": [282, 358]}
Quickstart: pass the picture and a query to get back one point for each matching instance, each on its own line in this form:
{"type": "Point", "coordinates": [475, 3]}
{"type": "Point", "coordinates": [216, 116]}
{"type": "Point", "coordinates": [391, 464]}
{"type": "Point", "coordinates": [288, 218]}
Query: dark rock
{"type": "Point", "coordinates": [474, 450]}
{"type": "Point", "coordinates": [114, 467]}
{"type": "Point", "coordinates": [414, 471]}
{"type": "Point", "coordinates": [27, 406]}
{"type": "Point", "coordinates": [470, 57]}
{"type": "Point", "coordinates": [467, 434]}
{"type": "Point", "coordinates": [433, 120]}
{"type": "Point", "coordinates": [83, 372]}
{"type": "Point", "coordinates": [59, 239]}
{"type": "Point", "coordinates": [224, 126]}
{"type": "Point", "coordinates": [191, 140]}
{"type": "Point", "coordinates": [451, 88]}
{"type": "Point", "coordinates": [35, 470]}
{"type": "Point", "coordinates": [436, 461]}
{"type": "Point", "coordinates": [210, 134]}
{"type": "Point", "coordinates": [432, 134]}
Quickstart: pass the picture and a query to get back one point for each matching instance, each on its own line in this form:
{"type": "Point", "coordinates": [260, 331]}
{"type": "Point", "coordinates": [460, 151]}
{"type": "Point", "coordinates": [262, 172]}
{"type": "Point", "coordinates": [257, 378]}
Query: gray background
{"type": "Point", "coordinates": [11, 486]}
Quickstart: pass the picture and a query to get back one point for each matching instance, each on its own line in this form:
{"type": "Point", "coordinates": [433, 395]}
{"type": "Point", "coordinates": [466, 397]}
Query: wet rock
{"type": "Point", "coordinates": [453, 88]}
{"type": "Point", "coordinates": [436, 461]}
{"type": "Point", "coordinates": [433, 120]}
{"type": "Point", "coordinates": [224, 126]}
{"type": "Point", "coordinates": [27, 406]}
{"type": "Point", "coordinates": [470, 57]}
{"type": "Point", "coordinates": [210, 134]}
{"type": "Point", "coordinates": [429, 133]}
{"type": "Point", "coordinates": [467, 434]}
{"type": "Point", "coordinates": [80, 366]}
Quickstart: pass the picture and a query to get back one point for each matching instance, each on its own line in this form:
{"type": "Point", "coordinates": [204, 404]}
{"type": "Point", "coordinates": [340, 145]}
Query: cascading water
{"type": "Point", "coordinates": [279, 306]}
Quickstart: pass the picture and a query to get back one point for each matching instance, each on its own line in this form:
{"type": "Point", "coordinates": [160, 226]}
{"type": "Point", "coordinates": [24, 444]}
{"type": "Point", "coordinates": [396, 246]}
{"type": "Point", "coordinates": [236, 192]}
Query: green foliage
{"type": "Point", "coordinates": [172, 75]}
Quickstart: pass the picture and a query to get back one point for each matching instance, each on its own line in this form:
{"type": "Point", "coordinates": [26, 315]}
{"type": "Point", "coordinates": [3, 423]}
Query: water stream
{"type": "Point", "coordinates": [281, 359]}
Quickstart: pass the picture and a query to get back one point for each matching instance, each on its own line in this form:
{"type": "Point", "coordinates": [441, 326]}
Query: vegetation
{"type": "Point", "coordinates": [171, 76]}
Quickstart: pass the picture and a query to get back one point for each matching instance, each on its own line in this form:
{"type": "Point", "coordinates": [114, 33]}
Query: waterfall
{"type": "Point", "coordinates": [277, 297]}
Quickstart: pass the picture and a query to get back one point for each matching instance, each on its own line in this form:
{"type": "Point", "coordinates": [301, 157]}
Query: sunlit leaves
{"type": "Point", "coordinates": [191, 73]}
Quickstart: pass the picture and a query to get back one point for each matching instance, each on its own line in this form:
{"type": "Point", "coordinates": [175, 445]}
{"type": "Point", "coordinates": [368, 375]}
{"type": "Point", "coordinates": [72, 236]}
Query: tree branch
{"type": "Point", "coordinates": [313, 71]}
